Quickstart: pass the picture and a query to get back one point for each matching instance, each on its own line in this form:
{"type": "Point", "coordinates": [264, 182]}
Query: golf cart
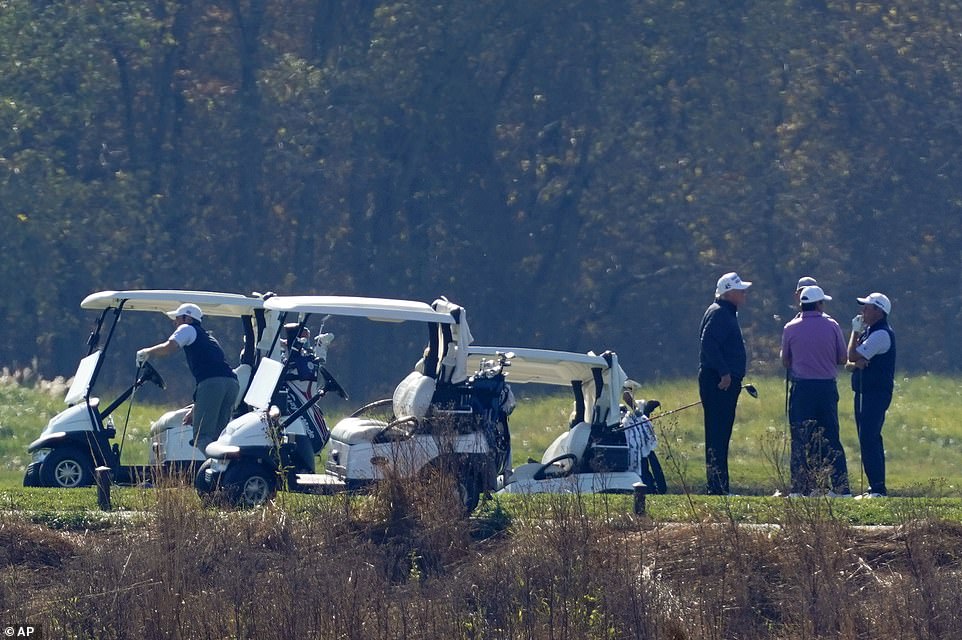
{"type": "Point", "coordinates": [79, 439]}
{"type": "Point", "coordinates": [285, 428]}
{"type": "Point", "coordinates": [372, 434]}
{"type": "Point", "coordinates": [593, 455]}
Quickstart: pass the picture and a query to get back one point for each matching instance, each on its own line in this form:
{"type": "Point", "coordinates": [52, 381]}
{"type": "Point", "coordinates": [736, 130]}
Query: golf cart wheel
{"type": "Point", "coordinates": [31, 478]}
{"type": "Point", "coordinates": [248, 484]}
{"type": "Point", "coordinates": [454, 483]}
{"type": "Point", "coordinates": [469, 491]}
{"type": "Point", "coordinates": [67, 468]}
{"type": "Point", "coordinates": [208, 490]}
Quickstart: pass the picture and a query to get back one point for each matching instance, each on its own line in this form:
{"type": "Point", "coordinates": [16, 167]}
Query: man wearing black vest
{"type": "Point", "coordinates": [871, 355]}
{"type": "Point", "coordinates": [217, 386]}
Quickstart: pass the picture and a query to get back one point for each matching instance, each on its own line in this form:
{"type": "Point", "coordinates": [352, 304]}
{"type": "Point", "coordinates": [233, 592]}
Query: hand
{"type": "Point", "coordinates": [858, 325]}
{"type": "Point", "coordinates": [726, 381]}
{"type": "Point", "coordinates": [142, 356]}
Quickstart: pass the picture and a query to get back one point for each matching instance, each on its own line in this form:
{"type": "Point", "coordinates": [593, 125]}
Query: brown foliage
{"type": "Point", "coordinates": [421, 571]}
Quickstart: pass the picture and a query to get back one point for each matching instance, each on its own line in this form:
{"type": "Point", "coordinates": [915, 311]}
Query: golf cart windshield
{"type": "Point", "coordinates": [596, 381]}
{"type": "Point", "coordinates": [82, 380]}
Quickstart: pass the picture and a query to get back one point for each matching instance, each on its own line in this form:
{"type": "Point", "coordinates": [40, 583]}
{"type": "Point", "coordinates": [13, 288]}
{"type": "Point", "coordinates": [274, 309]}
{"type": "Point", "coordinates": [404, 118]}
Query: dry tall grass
{"type": "Point", "coordinates": [406, 564]}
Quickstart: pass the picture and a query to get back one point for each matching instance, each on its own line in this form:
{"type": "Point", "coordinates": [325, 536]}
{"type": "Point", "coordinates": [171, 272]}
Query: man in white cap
{"type": "Point", "coordinates": [871, 355]}
{"type": "Point", "coordinates": [722, 365]}
{"type": "Point", "coordinates": [216, 388]}
{"type": "Point", "coordinates": [812, 349]}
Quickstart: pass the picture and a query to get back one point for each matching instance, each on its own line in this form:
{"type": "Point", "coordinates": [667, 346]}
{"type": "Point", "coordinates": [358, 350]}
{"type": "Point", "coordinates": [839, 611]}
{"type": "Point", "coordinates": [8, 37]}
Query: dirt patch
{"type": "Point", "coordinates": [34, 546]}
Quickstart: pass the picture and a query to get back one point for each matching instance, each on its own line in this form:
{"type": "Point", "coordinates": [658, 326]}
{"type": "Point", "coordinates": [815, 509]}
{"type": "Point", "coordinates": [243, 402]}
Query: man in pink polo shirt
{"type": "Point", "coordinates": [812, 350]}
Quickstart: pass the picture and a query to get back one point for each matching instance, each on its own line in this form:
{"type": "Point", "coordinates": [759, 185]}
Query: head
{"type": "Point", "coordinates": [732, 288]}
{"type": "Point", "coordinates": [812, 298]}
{"type": "Point", "coordinates": [875, 306]}
{"type": "Point", "coordinates": [189, 313]}
{"type": "Point", "coordinates": [804, 281]}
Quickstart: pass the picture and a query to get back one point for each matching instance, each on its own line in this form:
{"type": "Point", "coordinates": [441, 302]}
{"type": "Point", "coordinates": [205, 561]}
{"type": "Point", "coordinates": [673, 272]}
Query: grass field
{"type": "Point", "coordinates": [405, 563]}
{"type": "Point", "coordinates": [923, 434]}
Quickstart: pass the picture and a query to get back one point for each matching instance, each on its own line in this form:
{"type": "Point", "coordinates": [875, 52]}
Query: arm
{"type": "Point", "coordinates": [840, 347]}
{"type": "Point", "coordinates": [786, 351]}
{"type": "Point", "coordinates": [183, 335]}
{"type": "Point", "coordinates": [712, 334]}
{"type": "Point", "coordinates": [162, 349]}
{"type": "Point", "coordinates": [855, 359]}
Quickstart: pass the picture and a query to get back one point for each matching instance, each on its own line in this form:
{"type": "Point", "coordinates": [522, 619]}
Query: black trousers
{"type": "Point", "coordinates": [719, 409]}
{"type": "Point", "coordinates": [870, 408]}
{"type": "Point", "coordinates": [816, 447]}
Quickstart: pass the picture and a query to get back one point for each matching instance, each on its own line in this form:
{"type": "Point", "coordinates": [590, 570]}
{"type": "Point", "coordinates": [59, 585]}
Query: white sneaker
{"type": "Point", "coordinates": [795, 494]}
{"type": "Point", "coordinates": [832, 494]}
{"type": "Point", "coordinates": [869, 495]}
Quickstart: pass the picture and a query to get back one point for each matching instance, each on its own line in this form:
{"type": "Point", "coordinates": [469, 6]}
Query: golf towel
{"type": "Point", "coordinates": [640, 435]}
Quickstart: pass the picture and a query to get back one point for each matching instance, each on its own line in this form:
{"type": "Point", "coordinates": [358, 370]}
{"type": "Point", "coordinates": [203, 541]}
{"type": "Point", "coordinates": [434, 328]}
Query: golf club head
{"type": "Point", "coordinates": [650, 406]}
{"type": "Point", "coordinates": [149, 374]}
{"type": "Point", "coordinates": [751, 390]}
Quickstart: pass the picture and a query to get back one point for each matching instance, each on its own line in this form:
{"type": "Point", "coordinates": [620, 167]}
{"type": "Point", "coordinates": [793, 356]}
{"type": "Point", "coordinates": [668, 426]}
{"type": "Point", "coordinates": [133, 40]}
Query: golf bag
{"type": "Point", "coordinates": [642, 441]}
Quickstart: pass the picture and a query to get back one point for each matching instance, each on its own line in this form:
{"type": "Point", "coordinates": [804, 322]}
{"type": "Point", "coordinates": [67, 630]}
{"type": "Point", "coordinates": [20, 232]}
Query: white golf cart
{"type": "Point", "coordinates": [593, 455]}
{"type": "Point", "coordinates": [255, 451]}
{"type": "Point", "coordinates": [462, 426]}
{"type": "Point", "coordinates": [79, 439]}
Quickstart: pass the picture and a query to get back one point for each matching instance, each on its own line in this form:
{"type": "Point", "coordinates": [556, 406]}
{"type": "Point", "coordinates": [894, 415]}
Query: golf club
{"type": "Point", "coordinates": [749, 389]}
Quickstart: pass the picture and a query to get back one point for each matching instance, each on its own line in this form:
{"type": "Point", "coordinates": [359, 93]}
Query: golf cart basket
{"type": "Point", "coordinates": [482, 404]}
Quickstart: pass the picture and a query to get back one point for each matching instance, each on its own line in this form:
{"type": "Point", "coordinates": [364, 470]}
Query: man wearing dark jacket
{"type": "Point", "coordinates": [722, 365]}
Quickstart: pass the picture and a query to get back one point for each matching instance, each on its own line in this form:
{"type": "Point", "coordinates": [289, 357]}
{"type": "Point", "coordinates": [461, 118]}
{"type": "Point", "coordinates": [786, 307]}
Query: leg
{"type": "Point", "coordinates": [836, 452]}
{"type": "Point", "coordinates": [804, 446]}
{"type": "Point", "coordinates": [801, 449]}
{"type": "Point", "coordinates": [210, 398]}
{"type": "Point", "coordinates": [870, 416]}
{"type": "Point", "coordinates": [719, 407]}
{"type": "Point", "coordinates": [657, 474]}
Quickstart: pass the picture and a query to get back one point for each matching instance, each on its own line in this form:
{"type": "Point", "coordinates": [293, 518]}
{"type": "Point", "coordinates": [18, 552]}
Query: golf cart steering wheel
{"type": "Point", "coordinates": [149, 374]}
{"type": "Point", "coordinates": [330, 384]}
{"type": "Point", "coordinates": [542, 474]}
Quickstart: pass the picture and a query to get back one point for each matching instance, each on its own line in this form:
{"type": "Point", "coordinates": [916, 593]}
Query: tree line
{"type": "Point", "coordinates": [576, 174]}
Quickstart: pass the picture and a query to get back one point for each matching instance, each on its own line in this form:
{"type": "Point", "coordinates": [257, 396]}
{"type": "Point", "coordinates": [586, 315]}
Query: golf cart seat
{"type": "Point", "coordinates": [570, 445]}
{"type": "Point", "coordinates": [412, 397]}
{"type": "Point", "coordinates": [357, 430]}
{"type": "Point", "coordinates": [411, 400]}
{"type": "Point", "coordinates": [243, 373]}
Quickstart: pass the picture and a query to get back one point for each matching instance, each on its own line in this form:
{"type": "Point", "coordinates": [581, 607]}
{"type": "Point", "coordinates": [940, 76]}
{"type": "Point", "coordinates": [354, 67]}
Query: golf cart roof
{"type": "Point", "coordinates": [163, 300]}
{"type": "Point", "coordinates": [377, 309]}
{"type": "Point", "coordinates": [596, 380]}
{"type": "Point", "coordinates": [542, 366]}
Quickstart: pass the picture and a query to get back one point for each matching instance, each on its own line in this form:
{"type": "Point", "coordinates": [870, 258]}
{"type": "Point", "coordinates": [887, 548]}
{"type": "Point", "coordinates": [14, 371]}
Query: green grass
{"type": "Point", "coordinates": [923, 433]}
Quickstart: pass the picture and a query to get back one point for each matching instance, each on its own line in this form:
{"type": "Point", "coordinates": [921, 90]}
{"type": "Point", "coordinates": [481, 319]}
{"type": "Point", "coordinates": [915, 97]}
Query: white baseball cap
{"type": "Point", "coordinates": [730, 282]}
{"type": "Point", "coordinates": [187, 309]}
{"type": "Point", "coordinates": [811, 294]}
{"type": "Point", "coordinates": [880, 300]}
{"type": "Point", "coordinates": [806, 281]}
